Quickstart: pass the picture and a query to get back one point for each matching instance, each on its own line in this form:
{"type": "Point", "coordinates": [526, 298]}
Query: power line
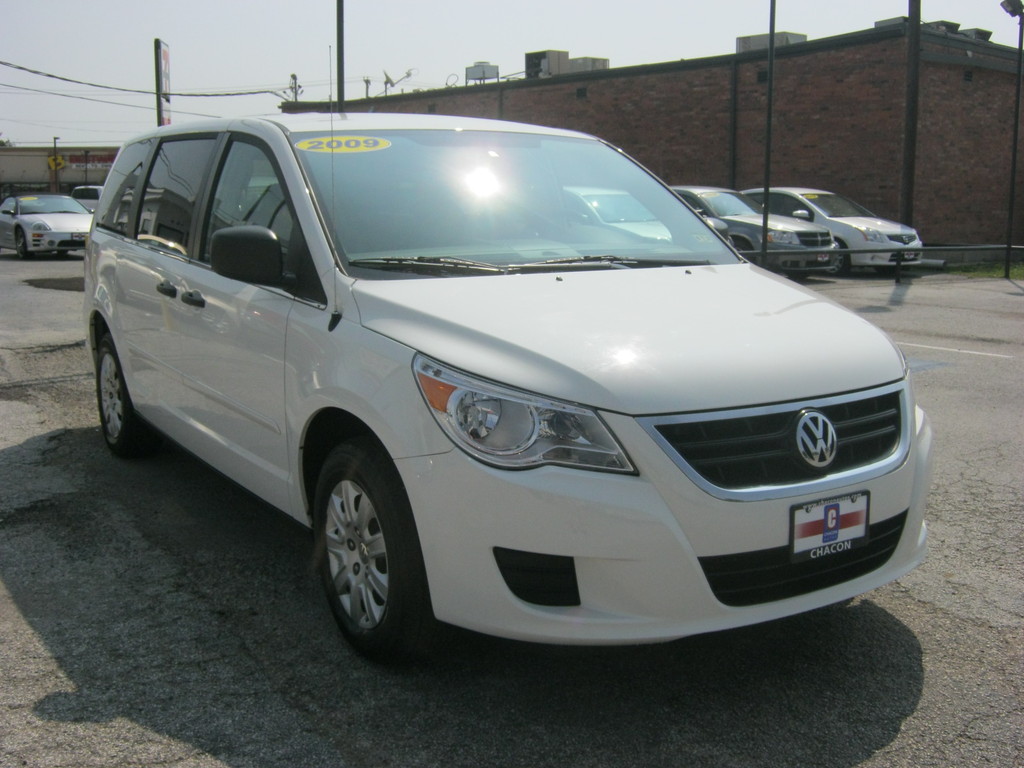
{"type": "Point", "coordinates": [133, 90]}
{"type": "Point", "coordinates": [98, 101]}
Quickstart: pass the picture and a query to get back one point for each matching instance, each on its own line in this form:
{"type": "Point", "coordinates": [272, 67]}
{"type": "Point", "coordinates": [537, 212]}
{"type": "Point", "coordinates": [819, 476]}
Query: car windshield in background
{"type": "Point", "coordinates": [457, 201]}
{"type": "Point", "coordinates": [49, 204]}
{"type": "Point", "coordinates": [836, 206]}
{"type": "Point", "coordinates": [729, 204]}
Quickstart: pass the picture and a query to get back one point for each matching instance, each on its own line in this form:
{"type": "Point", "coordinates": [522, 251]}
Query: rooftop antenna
{"type": "Point", "coordinates": [389, 83]}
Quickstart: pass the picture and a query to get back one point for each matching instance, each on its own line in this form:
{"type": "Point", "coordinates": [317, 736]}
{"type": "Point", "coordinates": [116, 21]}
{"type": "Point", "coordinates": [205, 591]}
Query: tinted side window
{"type": "Point", "coordinates": [249, 191]}
{"type": "Point", "coordinates": [115, 209]}
{"type": "Point", "coordinates": [169, 199]}
{"type": "Point", "coordinates": [783, 205]}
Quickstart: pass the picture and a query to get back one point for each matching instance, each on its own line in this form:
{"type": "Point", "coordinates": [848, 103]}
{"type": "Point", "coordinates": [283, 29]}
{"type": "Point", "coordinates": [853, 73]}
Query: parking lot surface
{"type": "Point", "coordinates": [153, 614]}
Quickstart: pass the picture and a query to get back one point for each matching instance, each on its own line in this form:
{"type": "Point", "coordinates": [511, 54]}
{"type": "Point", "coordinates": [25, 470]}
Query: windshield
{"type": "Point", "coordinates": [50, 204]}
{"type": "Point", "coordinates": [496, 200]}
{"type": "Point", "coordinates": [837, 206]}
{"type": "Point", "coordinates": [729, 204]}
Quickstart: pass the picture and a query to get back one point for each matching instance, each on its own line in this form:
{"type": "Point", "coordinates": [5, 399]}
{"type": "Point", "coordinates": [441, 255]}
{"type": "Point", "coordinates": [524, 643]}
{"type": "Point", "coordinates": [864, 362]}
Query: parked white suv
{"type": "Point", "coordinates": [495, 412]}
{"type": "Point", "coordinates": [853, 226]}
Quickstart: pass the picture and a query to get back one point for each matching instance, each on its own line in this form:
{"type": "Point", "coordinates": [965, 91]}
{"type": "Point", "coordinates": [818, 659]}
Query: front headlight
{"type": "Point", "coordinates": [778, 236]}
{"type": "Point", "coordinates": [873, 235]}
{"type": "Point", "coordinates": [512, 429]}
{"type": "Point", "coordinates": [40, 226]}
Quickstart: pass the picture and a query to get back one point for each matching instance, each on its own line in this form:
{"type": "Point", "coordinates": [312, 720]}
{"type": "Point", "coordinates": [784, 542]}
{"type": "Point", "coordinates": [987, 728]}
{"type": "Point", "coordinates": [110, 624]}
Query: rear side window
{"type": "Point", "coordinates": [122, 182]}
{"type": "Point", "coordinates": [167, 211]}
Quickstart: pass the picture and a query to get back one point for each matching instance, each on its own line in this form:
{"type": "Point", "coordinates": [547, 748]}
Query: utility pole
{"type": "Point", "coordinates": [341, 55]}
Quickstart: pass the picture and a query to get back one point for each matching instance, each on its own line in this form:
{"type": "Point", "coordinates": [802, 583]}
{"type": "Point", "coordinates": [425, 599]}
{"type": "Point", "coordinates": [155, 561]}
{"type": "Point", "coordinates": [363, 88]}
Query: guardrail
{"type": "Point", "coordinates": [1009, 255]}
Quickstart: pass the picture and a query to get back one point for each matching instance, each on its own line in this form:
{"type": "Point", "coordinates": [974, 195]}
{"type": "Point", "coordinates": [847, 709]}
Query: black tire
{"type": "Point", "coordinates": [21, 244]}
{"type": "Point", "coordinates": [368, 556]}
{"type": "Point", "coordinates": [842, 264]}
{"type": "Point", "coordinates": [125, 433]}
{"type": "Point", "coordinates": [741, 244]}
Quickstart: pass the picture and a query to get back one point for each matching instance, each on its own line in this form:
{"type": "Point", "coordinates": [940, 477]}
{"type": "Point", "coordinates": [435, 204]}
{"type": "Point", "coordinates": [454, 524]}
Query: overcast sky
{"type": "Point", "coordinates": [241, 45]}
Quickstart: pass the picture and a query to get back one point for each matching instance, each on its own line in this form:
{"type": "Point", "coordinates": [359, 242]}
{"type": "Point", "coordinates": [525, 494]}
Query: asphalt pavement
{"type": "Point", "coordinates": [151, 613]}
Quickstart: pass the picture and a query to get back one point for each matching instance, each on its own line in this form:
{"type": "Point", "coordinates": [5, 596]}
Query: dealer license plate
{"type": "Point", "coordinates": [830, 526]}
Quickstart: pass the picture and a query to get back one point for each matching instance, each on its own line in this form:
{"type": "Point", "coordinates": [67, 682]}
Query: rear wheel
{"type": "Point", "coordinates": [126, 434]}
{"type": "Point", "coordinates": [368, 554]}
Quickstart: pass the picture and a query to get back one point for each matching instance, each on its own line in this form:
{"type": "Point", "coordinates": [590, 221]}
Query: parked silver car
{"type": "Point", "coordinates": [32, 224]}
{"type": "Point", "coordinates": [852, 225]}
{"type": "Point", "coordinates": [744, 219]}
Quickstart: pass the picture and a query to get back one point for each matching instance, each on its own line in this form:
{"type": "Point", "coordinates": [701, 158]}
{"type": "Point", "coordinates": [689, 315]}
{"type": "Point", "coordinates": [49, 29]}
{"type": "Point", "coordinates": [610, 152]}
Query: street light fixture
{"type": "Point", "coordinates": [1016, 9]}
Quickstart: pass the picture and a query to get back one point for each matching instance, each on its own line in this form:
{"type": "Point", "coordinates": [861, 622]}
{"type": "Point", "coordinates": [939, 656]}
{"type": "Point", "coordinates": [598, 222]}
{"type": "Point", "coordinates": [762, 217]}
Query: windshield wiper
{"type": "Point", "coordinates": [591, 260]}
{"type": "Point", "coordinates": [425, 262]}
{"type": "Point", "coordinates": [606, 259]}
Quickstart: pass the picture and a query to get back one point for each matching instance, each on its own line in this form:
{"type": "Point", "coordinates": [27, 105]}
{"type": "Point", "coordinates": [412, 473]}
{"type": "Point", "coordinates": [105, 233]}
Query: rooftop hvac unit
{"type": "Point", "coordinates": [977, 34]}
{"type": "Point", "coordinates": [760, 42]}
{"type": "Point", "coordinates": [587, 64]}
{"type": "Point", "coordinates": [481, 71]}
{"type": "Point", "coordinates": [547, 63]}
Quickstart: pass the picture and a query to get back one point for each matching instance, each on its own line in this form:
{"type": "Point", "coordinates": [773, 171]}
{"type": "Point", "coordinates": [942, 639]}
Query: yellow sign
{"type": "Point", "coordinates": [343, 144]}
{"type": "Point", "coordinates": [56, 162]}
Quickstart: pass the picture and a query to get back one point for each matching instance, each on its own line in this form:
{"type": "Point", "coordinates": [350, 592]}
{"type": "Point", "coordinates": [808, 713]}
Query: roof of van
{"type": "Point", "coordinates": [362, 121]}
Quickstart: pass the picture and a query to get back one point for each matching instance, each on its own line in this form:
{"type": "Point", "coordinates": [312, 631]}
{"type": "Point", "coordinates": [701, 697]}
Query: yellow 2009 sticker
{"type": "Point", "coordinates": [343, 144]}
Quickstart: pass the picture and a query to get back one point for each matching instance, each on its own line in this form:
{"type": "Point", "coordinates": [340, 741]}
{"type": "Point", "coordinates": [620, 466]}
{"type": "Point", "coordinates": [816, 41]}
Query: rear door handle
{"type": "Point", "coordinates": [167, 289]}
{"type": "Point", "coordinates": [193, 299]}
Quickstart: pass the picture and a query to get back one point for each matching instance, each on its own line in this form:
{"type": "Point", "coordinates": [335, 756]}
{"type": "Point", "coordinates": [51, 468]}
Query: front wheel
{"type": "Point", "coordinates": [126, 434]}
{"type": "Point", "coordinates": [841, 261]}
{"type": "Point", "coordinates": [21, 244]}
{"type": "Point", "coordinates": [368, 554]}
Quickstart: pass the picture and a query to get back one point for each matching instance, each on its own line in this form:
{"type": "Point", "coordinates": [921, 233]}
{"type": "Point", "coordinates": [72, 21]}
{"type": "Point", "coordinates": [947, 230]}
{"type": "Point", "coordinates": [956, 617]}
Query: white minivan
{"type": "Point", "coordinates": [493, 410]}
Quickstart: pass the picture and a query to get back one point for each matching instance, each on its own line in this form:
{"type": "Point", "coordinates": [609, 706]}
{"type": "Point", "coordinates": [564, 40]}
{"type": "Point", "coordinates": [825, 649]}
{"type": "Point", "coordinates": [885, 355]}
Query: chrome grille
{"type": "Point", "coordinates": [815, 239]}
{"type": "Point", "coordinates": [757, 448]}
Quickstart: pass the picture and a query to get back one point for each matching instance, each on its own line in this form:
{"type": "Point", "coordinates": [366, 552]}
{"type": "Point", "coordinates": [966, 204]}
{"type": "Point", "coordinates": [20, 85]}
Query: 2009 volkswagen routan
{"type": "Point", "coordinates": [494, 408]}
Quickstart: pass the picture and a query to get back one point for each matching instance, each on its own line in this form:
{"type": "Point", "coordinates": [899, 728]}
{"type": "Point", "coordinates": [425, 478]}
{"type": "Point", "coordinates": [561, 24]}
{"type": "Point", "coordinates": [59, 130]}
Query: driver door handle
{"type": "Point", "coordinates": [193, 299]}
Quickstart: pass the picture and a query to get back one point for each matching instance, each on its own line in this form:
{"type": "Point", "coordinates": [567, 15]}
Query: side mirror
{"type": "Point", "coordinates": [7, 211]}
{"type": "Point", "coordinates": [248, 253]}
{"type": "Point", "coordinates": [802, 214]}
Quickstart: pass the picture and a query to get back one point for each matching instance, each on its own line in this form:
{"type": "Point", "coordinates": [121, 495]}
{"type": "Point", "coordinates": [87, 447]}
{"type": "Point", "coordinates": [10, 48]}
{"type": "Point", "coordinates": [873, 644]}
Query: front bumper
{"type": "Point", "coordinates": [635, 543]}
{"type": "Point", "coordinates": [56, 241]}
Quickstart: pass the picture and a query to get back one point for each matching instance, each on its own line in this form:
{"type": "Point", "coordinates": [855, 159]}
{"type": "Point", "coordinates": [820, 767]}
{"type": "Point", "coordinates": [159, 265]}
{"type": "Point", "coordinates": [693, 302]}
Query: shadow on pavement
{"type": "Point", "coordinates": [168, 597]}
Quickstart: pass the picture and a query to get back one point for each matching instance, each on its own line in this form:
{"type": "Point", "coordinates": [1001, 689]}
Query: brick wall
{"type": "Point", "coordinates": [839, 113]}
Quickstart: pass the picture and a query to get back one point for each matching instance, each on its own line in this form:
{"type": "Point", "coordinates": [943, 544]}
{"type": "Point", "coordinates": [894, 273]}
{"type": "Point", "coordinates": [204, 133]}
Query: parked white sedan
{"type": "Point", "coordinates": [31, 224]}
{"type": "Point", "coordinates": [853, 226]}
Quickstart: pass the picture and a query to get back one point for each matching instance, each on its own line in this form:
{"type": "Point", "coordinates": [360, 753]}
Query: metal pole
{"type": "Point", "coordinates": [908, 178]}
{"type": "Point", "coordinates": [768, 134]}
{"type": "Point", "coordinates": [1013, 153]}
{"type": "Point", "coordinates": [159, 83]}
{"type": "Point", "coordinates": [341, 55]}
{"type": "Point", "coordinates": [56, 169]}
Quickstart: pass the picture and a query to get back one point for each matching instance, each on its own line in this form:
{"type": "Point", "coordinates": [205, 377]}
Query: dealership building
{"type": "Point", "coordinates": [53, 169]}
{"type": "Point", "coordinates": [916, 127]}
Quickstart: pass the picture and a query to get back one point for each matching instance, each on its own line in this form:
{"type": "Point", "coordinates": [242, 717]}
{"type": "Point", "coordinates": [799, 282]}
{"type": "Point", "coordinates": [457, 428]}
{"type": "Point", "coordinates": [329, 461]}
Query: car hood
{"type": "Point", "coordinates": [642, 341]}
{"type": "Point", "coordinates": [882, 225]}
{"type": "Point", "coordinates": [781, 223]}
{"type": "Point", "coordinates": [60, 222]}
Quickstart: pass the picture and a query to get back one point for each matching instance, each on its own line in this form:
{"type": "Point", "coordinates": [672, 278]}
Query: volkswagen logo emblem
{"type": "Point", "coordinates": [816, 439]}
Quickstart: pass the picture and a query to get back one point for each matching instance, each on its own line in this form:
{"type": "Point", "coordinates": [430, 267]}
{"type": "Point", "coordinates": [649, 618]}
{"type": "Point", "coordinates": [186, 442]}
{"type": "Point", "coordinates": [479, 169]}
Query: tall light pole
{"type": "Point", "coordinates": [1014, 8]}
{"type": "Point", "coordinates": [56, 166]}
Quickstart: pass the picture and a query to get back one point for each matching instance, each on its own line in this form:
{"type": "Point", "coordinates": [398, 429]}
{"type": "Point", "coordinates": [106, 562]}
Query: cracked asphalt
{"type": "Point", "coordinates": [151, 613]}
